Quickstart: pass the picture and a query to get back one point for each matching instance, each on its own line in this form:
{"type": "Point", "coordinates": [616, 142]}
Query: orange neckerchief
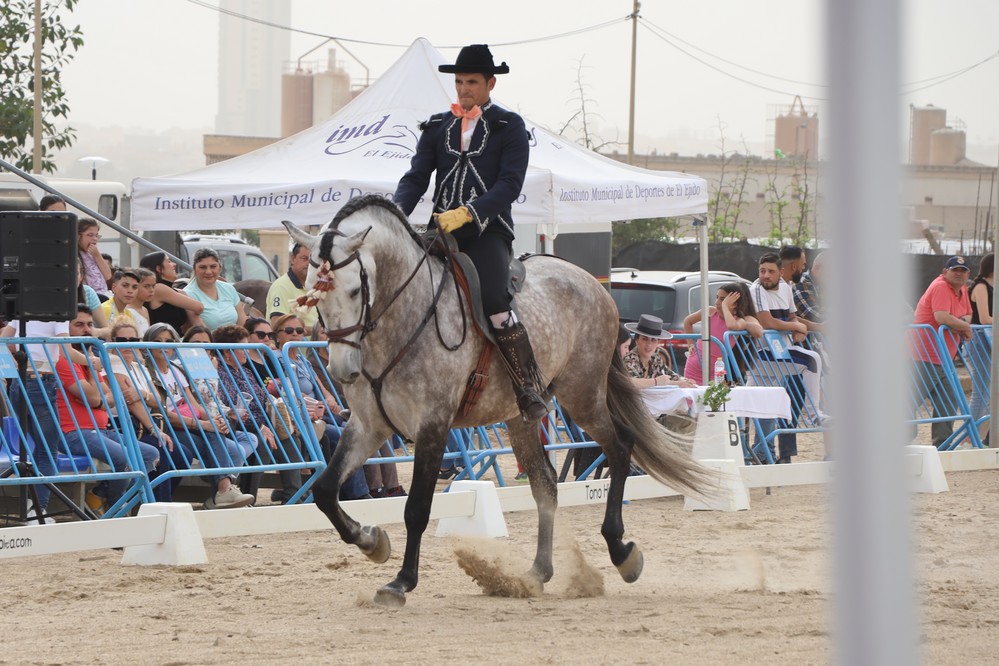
{"type": "Point", "coordinates": [465, 116]}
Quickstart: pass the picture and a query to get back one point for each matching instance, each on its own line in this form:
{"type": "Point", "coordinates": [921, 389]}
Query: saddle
{"type": "Point", "coordinates": [467, 279]}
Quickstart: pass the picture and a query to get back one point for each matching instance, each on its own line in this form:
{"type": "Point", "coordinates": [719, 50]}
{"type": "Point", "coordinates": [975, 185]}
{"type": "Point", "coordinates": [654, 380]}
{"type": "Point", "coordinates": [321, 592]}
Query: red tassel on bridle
{"type": "Point", "coordinates": [324, 283]}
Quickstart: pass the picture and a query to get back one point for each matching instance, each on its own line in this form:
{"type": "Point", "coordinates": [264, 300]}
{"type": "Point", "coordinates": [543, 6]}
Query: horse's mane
{"type": "Point", "coordinates": [355, 205]}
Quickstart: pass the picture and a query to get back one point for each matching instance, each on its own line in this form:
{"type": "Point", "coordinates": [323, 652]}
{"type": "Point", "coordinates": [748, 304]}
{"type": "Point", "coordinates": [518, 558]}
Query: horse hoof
{"type": "Point", "coordinates": [390, 597]}
{"type": "Point", "coordinates": [380, 548]}
{"type": "Point", "coordinates": [631, 568]}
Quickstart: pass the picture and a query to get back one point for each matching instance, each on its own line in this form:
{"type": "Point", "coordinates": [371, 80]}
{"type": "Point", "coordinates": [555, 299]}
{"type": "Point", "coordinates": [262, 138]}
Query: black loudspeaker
{"type": "Point", "coordinates": [38, 275]}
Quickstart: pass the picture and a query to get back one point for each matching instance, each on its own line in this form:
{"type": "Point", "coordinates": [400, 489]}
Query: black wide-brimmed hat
{"type": "Point", "coordinates": [649, 326]}
{"type": "Point", "coordinates": [475, 59]}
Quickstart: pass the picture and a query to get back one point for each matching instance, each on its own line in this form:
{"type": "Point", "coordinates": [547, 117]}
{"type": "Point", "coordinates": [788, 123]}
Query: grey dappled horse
{"type": "Point", "coordinates": [383, 288]}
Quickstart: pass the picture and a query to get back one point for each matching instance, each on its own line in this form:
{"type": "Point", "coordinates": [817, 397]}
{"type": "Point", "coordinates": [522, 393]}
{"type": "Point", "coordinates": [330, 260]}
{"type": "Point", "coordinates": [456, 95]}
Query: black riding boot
{"type": "Point", "coordinates": [527, 382]}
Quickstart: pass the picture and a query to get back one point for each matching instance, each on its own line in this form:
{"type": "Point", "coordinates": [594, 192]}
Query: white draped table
{"type": "Point", "coordinates": [759, 402]}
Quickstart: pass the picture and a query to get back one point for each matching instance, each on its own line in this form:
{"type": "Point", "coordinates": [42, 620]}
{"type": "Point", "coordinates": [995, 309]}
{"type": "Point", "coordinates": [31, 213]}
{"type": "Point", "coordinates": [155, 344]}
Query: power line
{"type": "Point", "coordinates": [721, 71]}
{"type": "Point", "coordinates": [278, 26]}
{"type": "Point", "coordinates": [930, 81]}
{"type": "Point", "coordinates": [730, 62]}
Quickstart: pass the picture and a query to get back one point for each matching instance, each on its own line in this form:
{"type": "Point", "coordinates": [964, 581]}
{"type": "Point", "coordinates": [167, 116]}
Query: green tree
{"type": "Point", "coordinates": [664, 229]}
{"type": "Point", "coordinates": [17, 85]}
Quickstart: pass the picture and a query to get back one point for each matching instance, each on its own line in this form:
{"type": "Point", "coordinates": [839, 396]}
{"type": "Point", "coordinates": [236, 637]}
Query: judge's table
{"type": "Point", "coordinates": [717, 434]}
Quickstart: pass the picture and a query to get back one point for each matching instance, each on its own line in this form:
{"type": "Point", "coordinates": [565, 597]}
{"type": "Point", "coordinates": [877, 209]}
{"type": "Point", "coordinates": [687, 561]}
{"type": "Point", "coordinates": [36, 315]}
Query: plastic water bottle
{"type": "Point", "coordinates": [720, 370]}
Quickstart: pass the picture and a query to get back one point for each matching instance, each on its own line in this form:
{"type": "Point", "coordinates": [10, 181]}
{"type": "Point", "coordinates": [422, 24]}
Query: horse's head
{"type": "Point", "coordinates": [340, 283]}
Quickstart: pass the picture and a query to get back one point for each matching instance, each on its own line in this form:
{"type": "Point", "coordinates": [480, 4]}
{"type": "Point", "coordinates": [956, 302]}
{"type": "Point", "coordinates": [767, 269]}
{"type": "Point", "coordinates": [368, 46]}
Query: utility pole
{"type": "Point", "coordinates": [631, 108]}
{"type": "Point", "coordinates": [36, 129]}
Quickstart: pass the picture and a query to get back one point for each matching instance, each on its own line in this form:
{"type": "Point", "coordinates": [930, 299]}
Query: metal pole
{"type": "Point", "coordinates": [36, 125]}
{"type": "Point", "coordinates": [94, 214]}
{"type": "Point", "coordinates": [994, 380]}
{"type": "Point", "coordinates": [631, 107]}
{"type": "Point", "coordinates": [707, 372]}
{"type": "Point", "coordinates": [876, 618]}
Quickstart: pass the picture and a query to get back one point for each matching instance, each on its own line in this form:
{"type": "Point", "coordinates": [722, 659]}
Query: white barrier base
{"type": "Point", "coordinates": [182, 543]}
{"type": "Point", "coordinates": [728, 494]}
{"type": "Point", "coordinates": [717, 438]}
{"type": "Point", "coordinates": [487, 517]}
{"type": "Point", "coordinates": [931, 478]}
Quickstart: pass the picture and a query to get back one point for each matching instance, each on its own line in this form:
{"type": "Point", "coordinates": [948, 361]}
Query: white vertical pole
{"type": "Point", "coordinates": [876, 621]}
{"type": "Point", "coordinates": [707, 372]}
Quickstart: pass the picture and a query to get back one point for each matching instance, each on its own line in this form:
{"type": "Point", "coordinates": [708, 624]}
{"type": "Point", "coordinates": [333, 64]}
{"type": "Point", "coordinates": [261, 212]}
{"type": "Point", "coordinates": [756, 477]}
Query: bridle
{"type": "Point", "coordinates": [367, 320]}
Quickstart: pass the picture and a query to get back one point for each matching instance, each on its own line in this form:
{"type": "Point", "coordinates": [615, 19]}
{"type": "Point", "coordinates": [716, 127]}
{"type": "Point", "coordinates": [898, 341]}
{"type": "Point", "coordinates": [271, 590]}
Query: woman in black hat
{"type": "Point", "coordinates": [648, 363]}
{"type": "Point", "coordinates": [479, 153]}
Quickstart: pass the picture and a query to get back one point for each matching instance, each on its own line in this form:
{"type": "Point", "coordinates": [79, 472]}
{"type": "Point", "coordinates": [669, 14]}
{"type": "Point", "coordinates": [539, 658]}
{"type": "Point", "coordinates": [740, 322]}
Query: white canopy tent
{"type": "Point", "coordinates": [366, 147]}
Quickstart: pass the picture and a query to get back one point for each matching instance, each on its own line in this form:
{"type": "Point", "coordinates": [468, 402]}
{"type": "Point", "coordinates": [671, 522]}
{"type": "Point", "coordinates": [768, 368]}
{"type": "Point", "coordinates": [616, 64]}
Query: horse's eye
{"type": "Point", "coordinates": [355, 292]}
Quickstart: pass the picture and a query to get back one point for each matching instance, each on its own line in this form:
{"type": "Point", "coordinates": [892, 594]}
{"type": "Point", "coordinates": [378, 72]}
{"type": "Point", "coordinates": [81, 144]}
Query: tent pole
{"type": "Point", "coordinates": [702, 237]}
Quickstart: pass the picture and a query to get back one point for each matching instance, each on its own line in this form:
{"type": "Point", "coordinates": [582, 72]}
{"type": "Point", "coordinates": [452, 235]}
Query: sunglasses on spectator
{"type": "Point", "coordinates": [128, 339]}
{"type": "Point", "coordinates": [263, 335]}
{"type": "Point", "coordinates": [288, 330]}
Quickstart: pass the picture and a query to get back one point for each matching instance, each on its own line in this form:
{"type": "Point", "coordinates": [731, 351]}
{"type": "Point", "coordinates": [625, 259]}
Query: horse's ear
{"type": "Point", "coordinates": [354, 241]}
{"type": "Point", "coordinates": [305, 238]}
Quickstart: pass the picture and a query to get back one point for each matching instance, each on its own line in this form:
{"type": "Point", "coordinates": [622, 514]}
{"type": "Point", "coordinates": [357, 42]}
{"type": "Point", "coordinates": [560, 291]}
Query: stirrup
{"type": "Point", "coordinates": [532, 407]}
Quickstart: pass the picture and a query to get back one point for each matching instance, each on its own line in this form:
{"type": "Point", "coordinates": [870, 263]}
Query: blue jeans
{"type": "Point", "coordinates": [356, 485]}
{"type": "Point", "coordinates": [106, 446]}
{"type": "Point", "coordinates": [452, 446]}
{"type": "Point", "coordinates": [979, 354]}
{"type": "Point", "coordinates": [47, 441]}
{"type": "Point", "coordinates": [214, 450]}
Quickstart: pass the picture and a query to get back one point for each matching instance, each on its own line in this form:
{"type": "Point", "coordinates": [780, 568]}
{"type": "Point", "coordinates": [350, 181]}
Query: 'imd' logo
{"type": "Point", "coordinates": [396, 141]}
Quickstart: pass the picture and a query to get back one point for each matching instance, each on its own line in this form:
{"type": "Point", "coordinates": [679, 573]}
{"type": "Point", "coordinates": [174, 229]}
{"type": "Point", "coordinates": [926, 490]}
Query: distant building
{"type": "Point", "coordinates": [956, 202]}
{"type": "Point", "coordinates": [251, 57]}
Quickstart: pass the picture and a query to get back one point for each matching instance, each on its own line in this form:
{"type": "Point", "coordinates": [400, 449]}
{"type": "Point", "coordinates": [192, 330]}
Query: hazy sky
{"type": "Point", "coordinates": [153, 63]}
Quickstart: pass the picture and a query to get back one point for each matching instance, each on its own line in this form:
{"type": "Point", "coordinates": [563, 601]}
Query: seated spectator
{"type": "Point", "coordinates": [208, 437]}
{"type": "Point", "coordinates": [95, 267]}
{"type": "Point", "coordinates": [198, 335]}
{"type": "Point", "coordinates": [281, 297]}
{"type": "Point", "coordinates": [85, 294]}
{"type": "Point", "coordinates": [83, 412]}
{"type": "Point", "coordinates": [127, 367]}
{"type": "Point", "coordinates": [289, 329]}
{"type": "Point", "coordinates": [980, 346]}
{"type": "Point", "coordinates": [169, 305]}
{"type": "Point", "coordinates": [800, 373]}
{"type": "Point", "coordinates": [121, 303]}
{"type": "Point", "coordinates": [222, 303]}
{"type": "Point", "coordinates": [733, 311]}
{"type": "Point", "coordinates": [40, 392]}
{"type": "Point", "coordinates": [234, 379]}
{"type": "Point", "coordinates": [648, 363]}
{"type": "Point", "coordinates": [260, 333]}
{"type": "Point", "coordinates": [143, 294]}
{"type": "Point", "coordinates": [944, 303]}
{"type": "Point", "coordinates": [52, 202]}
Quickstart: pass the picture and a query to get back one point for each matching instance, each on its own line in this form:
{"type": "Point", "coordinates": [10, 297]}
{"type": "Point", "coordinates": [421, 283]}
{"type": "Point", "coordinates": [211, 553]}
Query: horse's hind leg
{"type": "Point", "coordinates": [526, 442]}
{"type": "Point", "coordinates": [627, 557]}
{"type": "Point", "coordinates": [426, 463]}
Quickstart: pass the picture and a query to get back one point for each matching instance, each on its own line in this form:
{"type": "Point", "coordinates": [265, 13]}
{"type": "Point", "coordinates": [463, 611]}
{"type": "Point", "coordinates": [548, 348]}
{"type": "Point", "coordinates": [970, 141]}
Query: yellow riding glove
{"type": "Point", "coordinates": [453, 219]}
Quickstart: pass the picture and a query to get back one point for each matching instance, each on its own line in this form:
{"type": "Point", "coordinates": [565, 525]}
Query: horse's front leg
{"type": "Point", "coordinates": [348, 456]}
{"type": "Point", "coordinates": [426, 463]}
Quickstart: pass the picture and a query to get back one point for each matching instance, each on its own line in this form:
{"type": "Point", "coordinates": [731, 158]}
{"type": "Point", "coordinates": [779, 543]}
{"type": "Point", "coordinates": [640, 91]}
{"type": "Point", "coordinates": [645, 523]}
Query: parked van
{"type": "Point", "coordinates": [240, 260]}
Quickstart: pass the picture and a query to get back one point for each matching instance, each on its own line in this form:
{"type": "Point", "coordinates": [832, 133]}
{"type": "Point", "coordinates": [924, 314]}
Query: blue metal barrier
{"type": "Point", "coordinates": [775, 362]}
{"type": "Point", "coordinates": [976, 355]}
{"type": "Point", "coordinates": [937, 396]}
{"type": "Point", "coordinates": [83, 449]}
{"type": "Point", "coordinates": [225, 422]}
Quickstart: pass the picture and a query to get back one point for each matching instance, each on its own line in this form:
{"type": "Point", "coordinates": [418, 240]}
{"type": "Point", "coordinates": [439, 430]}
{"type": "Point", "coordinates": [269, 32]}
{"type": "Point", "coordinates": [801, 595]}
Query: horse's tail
{"type": "Point", "coordinates": [659, 451]}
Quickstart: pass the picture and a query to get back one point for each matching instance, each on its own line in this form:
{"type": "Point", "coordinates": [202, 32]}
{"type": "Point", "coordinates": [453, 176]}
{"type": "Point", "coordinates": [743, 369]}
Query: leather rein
{"type": "Point", "coordinates": [367, 321]}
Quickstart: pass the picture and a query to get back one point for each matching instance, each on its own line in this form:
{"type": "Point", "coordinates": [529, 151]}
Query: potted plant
{"type": "Point", "coordinates": [716, 396]}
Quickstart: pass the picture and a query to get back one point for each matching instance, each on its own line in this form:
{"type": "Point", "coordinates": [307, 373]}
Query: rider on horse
{"type": "Point", "coordinates": [480, 162]}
